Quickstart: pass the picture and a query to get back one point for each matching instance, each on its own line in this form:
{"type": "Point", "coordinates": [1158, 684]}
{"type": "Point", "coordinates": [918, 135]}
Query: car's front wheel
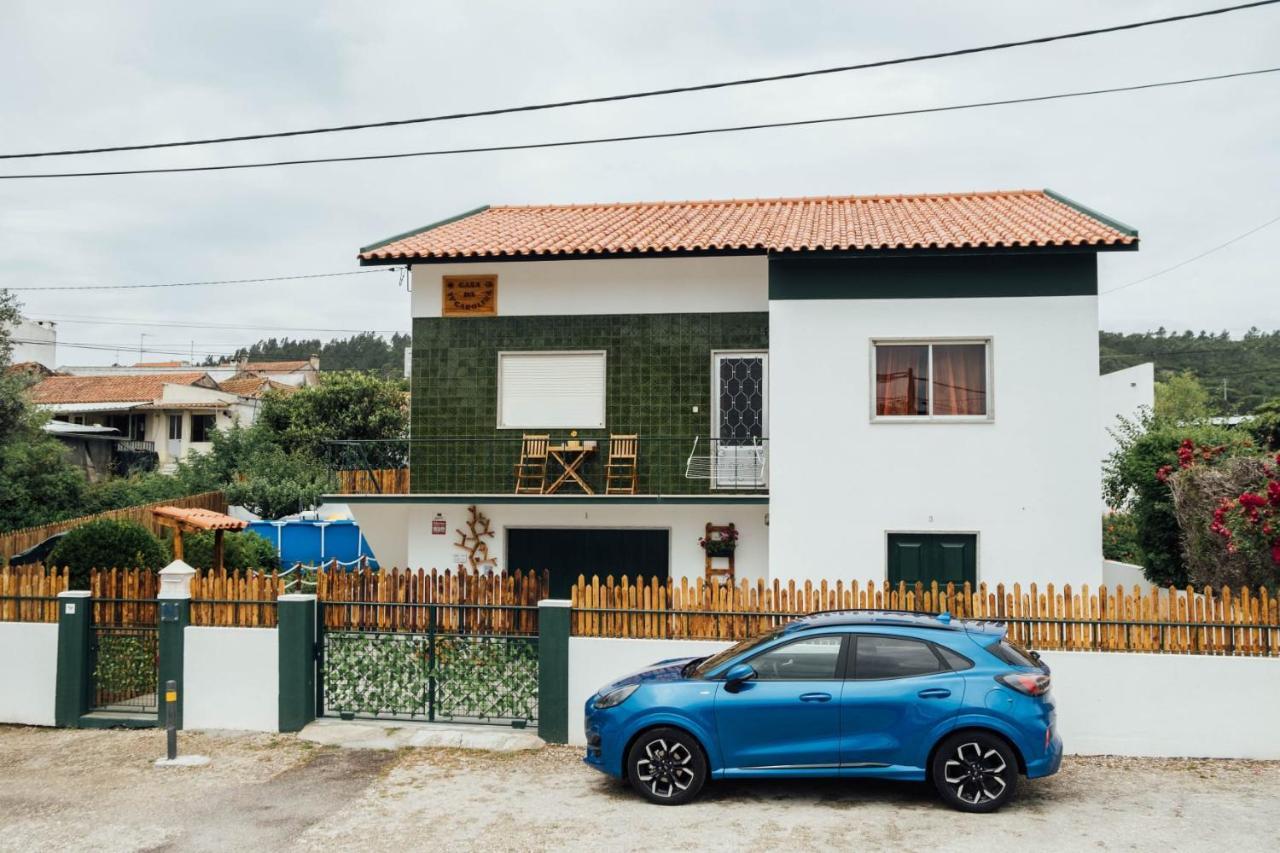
{"type": "Point", "coordinates": [975, 771]}
{"type": "Point", "coordinates": [666, 766]}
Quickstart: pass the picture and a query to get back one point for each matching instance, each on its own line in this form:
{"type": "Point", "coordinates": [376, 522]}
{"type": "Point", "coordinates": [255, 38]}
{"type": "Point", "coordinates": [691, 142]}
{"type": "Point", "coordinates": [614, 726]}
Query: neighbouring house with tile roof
{"type": "Point", "coordinates": [899, 387]}
{"type": "Point", "coordinates": [292, 373]}
{"type": "Point", "coordinates": [170, 414]}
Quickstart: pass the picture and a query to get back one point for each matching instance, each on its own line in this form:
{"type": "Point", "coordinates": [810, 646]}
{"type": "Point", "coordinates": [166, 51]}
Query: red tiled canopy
{"type": "Point", "coordinates": [1003, 219]}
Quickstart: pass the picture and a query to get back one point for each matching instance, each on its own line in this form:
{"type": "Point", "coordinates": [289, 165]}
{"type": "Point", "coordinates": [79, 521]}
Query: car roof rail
{"type": "Point", "coordinates": [867, 616]}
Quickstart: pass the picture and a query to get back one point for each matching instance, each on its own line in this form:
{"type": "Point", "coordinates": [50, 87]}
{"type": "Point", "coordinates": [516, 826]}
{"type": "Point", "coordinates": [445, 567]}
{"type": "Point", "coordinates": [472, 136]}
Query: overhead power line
{"type": "Point", "coordinates": [651, 93]}
{"type": "Point", "coordinates": [566, 143]}
{"type": "Point", "coordinates": [1194, 258]}
{"type": "Point", "coordinates": [195, 283]}
{"type": "Point", "coordinates": [167, 323]}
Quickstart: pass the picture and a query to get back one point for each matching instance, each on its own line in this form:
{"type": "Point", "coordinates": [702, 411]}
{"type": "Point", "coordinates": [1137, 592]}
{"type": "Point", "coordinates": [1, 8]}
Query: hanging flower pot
{"type": "Point", "coordinates": [720, 544]}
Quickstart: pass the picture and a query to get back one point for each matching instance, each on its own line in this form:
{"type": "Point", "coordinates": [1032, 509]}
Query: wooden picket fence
{"type": "Point", "coordinates": [124, 597]}
{"type": "Point", "coordinates": [29, 593]}
{"type": "Point", "coordinates": [17, 541]}
{"type": "Point", "coordinates": [235, 599]}
{"type": "Point", "coordinates": [1187, 621]}
{"type": "Point", "coordinates": [459, 601]}
{"type": "Point", "coordinates": [379, 481]}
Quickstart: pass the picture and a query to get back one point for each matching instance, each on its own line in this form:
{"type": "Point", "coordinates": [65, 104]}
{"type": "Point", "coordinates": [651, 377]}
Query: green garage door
{"type": "Point", "coordinates": [926, 557]}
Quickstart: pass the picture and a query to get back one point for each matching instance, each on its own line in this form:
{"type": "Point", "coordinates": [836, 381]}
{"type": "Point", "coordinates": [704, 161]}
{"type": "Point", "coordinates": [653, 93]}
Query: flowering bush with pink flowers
{"type": "Point", "coordinates": [1250, 523]}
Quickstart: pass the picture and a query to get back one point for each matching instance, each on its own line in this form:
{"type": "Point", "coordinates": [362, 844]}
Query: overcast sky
{"type": "Point", "coordinates": [1190, 166]}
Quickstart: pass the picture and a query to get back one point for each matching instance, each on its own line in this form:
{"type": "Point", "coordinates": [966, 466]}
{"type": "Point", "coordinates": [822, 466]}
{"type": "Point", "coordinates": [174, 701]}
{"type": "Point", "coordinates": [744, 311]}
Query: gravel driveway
{"type": "Point", "coordinates": [97, 790]}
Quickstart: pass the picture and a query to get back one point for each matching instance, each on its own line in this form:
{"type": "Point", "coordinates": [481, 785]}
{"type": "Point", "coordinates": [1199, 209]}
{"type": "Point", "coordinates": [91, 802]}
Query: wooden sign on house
{"type": "Point", "coordinates": [469, 295]}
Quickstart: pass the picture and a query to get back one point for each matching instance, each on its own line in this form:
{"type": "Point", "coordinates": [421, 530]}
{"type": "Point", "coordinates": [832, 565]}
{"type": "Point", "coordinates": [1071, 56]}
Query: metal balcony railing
{"type": "Point", "coordinates": [491, 465]}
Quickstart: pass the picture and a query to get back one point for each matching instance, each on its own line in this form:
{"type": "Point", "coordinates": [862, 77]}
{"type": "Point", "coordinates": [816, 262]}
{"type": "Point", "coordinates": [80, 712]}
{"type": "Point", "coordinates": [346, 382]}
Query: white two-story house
{"type": "Point", "coordinates": [901, 387]}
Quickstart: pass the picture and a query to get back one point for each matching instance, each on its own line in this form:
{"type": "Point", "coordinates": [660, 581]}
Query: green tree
{"type": "Point", "coordinates": [273, 482]}
{"type": "Point", "coordinates": [1182, 398]}
{"type": "Point", "coordinates": [107, 544]}
{"type": "Point", "coordinates": [37, 483]}
{"type": "Point", "coordinates": [244, 550]}
{"type": "Point", "coordinates": [1265, 426]}
{"type": "Point", "coordinates": [349, 406]}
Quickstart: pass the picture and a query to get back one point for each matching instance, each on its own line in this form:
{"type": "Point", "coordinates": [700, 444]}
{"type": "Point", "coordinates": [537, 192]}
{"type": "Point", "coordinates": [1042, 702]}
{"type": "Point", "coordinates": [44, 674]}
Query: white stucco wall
{"type": "Point", "coordinates": [1123, 394]}
{"type": "Point", "coordinates": [596, 661]}
{"type": "Point", "coordinates": [28, 672]}
{"type": "Point", "coordinates": [615, 286]}
{"type": "Point", "coordinates": [231, 677]}
{"type": "Point", "coordinates": [35, 340]}
{"type": "Point", "coordinates": [387, 525]}
{"type": "Point", "coordinates": [402, 531]}
{"type": "Point", "coordinates": [1027, 481]}
{"type": "Point", "coordinates": [1200, 706]}
{"type": "Point", "coordinates": [1109, 703]}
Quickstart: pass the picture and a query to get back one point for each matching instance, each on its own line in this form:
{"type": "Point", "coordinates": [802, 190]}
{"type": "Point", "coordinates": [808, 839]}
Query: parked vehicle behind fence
{"type": "Point", "coordinates": [857, 694]}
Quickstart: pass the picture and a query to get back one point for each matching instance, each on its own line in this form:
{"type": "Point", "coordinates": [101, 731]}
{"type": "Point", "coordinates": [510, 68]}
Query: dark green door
{"type": "Point", "coordinates": [926, 557]}
{"type": "Point", "coordinates": [567, 553]}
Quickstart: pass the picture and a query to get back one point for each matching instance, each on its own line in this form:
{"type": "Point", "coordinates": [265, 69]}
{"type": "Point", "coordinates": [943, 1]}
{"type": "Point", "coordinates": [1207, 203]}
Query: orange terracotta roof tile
{"type": "Point", "coordinates": [1005, 219]}
{"type": "Point", "coordinates": [129, 388]}
{"type": "Point", "coordinates": [277, 365]}
{"type": "Point", "coordinates": [253, 386]}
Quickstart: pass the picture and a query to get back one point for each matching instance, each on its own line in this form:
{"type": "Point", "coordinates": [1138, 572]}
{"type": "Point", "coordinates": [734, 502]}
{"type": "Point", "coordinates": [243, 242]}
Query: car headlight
{"type": "Point", "coordinates": [616, 696]}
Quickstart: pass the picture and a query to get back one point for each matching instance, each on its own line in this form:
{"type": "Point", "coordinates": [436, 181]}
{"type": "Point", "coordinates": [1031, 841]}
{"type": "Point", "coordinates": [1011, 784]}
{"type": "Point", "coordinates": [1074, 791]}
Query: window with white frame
{"type": "Point", "coordinates": [938, 379]}
{"type": "Point", "coordinates": [551, 390]}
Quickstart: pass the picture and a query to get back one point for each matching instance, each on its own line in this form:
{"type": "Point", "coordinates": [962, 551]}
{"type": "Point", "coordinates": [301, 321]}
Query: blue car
{"type": "Point", "coordinates": [855, 694]}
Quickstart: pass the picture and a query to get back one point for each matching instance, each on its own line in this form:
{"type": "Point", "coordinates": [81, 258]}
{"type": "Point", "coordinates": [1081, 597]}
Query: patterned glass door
{"type": "Point", "coordinates": [740, 420]}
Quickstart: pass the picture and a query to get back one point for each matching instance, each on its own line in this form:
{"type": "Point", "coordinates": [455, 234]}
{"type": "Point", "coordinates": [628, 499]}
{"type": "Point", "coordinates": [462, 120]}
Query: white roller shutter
{"type": "Point", "coordinates": [545, 390]}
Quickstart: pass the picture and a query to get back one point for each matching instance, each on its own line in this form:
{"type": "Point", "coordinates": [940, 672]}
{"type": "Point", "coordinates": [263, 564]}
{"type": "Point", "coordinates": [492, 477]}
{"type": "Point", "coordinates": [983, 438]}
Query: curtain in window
{"type": "Point", "coordinates": [902, 380]}
{"type": "Point", "coordinates": [959, 379]}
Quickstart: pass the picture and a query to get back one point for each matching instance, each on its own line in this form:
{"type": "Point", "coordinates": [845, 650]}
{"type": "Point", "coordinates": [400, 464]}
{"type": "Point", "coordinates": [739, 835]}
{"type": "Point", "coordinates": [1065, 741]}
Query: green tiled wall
{"type": "Point", "coordinates": [659, 368]}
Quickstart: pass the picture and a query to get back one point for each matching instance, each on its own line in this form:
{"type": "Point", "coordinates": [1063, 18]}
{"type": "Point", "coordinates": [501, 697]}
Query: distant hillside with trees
{"type": "Point", "coordinates": [367, 352]}
{"type": "Point", "coordinates": [1237, 374]}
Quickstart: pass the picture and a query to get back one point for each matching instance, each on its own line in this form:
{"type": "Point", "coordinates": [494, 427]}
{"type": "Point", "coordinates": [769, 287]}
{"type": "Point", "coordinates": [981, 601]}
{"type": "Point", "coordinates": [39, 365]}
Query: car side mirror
{"type": "Point", "coordinates": [737, 674]}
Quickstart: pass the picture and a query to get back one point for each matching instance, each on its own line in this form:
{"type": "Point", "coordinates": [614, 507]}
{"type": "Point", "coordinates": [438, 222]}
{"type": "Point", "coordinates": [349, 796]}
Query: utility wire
{"type": "Point", "coordinates": [197, 283]}
{"type": "Point", "coordinates": [651, 93]}
{"type": "Point", "coordinates": [566, 143]}
{"type": "Point", "coordinates": [1194, 258]}
{"type": "Point", "coordinates": [81, 319]}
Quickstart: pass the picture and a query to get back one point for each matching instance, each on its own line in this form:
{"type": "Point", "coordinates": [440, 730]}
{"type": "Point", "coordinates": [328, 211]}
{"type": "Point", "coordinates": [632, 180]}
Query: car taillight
{"type": "Point", "coordinates": [1032, 684]}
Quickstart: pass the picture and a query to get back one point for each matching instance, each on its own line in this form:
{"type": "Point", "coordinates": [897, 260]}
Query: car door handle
{"type": "Point", "coordinates": [934, 693]}
{"type": "Point", "coordinates": [815, 697]}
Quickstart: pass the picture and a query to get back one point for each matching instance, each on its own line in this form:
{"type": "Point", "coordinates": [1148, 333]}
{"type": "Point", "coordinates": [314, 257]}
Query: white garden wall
{"type": "Point", "coordinates": [1199, 706]}
{"type": "Point", "coordinates": [28, 672]}
{"type": "Point", "coordinates": [596, 661]}
{"type": "Point", "coordinates": [1110, 703]}
{"type": "Point", "coordinates": [231, 679]}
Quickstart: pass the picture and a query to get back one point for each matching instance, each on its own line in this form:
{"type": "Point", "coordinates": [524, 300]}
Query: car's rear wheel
{"type": "Point", "coordinates": [975, 771]}
{"type": "Point", "coordinates": [666, 766]}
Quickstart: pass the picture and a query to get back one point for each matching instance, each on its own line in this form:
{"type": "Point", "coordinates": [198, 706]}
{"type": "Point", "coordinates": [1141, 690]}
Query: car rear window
{"type": "Point", "coordinates": [1012, 654]}
{"type": "Point", "coordinates": [955, 660]}
{"type": "Point", "coordinates": [893, 657]}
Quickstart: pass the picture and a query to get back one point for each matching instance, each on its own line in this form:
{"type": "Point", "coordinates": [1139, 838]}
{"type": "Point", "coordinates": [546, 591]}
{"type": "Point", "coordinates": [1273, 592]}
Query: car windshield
{"type": "Point", "coordinates": [708, 664]}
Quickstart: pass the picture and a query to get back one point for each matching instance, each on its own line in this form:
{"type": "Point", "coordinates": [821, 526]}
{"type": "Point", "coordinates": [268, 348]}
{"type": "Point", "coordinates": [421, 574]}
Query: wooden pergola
{"type": "Point", "coordinates": [183, 520]}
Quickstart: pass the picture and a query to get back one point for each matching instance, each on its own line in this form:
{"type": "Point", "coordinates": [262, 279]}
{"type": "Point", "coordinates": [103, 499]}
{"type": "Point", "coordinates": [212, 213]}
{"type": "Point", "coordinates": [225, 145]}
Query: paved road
{"type": "Point", "coordinates": [97, 790]}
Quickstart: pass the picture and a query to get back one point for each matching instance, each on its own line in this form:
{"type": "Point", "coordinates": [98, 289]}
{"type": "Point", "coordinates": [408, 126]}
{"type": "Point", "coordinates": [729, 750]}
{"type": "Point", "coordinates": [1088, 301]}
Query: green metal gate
{"type": "Point", "coordinates": [124, 664]}
{"type": "Point", "coordinates": [460, 663]}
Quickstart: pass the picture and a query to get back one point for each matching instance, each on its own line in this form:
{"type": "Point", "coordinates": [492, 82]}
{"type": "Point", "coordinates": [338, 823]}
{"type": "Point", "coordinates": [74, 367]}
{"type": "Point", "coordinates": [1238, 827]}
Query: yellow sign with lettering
{"type": "Point", "coordinates": [470, 296]}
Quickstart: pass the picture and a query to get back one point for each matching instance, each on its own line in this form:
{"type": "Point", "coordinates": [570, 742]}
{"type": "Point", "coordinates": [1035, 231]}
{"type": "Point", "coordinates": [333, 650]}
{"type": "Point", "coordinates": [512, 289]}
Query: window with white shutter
{"type": "Point", "coordinates": [551, 390]}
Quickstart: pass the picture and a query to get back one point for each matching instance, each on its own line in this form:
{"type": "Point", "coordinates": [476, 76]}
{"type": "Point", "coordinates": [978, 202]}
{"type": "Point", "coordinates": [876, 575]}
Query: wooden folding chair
{"type": "Point", "coordinates": [622, 471]}
{"type": "Point", "coordinates": [531, 470]}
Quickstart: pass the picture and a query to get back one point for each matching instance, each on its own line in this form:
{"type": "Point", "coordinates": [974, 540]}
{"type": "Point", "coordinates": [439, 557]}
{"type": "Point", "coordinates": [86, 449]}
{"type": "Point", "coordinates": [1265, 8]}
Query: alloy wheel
{"type": "Point", "coordinates": [974, 775]}
{"type": "Point", "coordinates": [665, 768]}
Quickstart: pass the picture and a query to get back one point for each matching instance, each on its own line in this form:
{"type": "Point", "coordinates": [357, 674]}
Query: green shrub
{"type": "Point", "coordinates": [244, 550]}
{"type": "Point", "coordinates": [107, 544]}
{"type": "Point", "coordinates": [1136, 481]}
{"type": "Point", "coordinates": [1120, 538]}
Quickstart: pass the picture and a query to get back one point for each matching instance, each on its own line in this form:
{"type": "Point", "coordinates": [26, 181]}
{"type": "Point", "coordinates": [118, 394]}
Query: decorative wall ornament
{"type": "Point", "coordinates": [472, 540]}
